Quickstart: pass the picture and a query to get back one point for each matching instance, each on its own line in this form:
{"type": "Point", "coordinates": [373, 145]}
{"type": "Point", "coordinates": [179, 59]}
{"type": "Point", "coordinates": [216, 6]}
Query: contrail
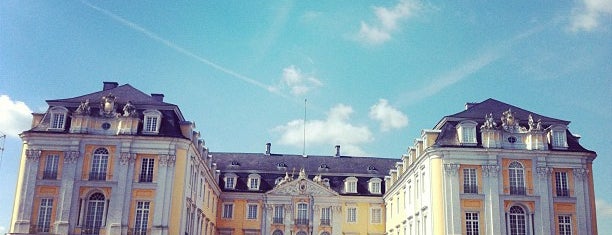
{"type": "Point", "coordinates": [181, 50]}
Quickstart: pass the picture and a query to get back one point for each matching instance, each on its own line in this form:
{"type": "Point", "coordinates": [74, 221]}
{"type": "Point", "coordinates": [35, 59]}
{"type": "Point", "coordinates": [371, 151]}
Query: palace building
{"type": "Point", "coordinates": [493, 169]}
{"type": "Point", "coordinates": [116, 161]}
{"type": "Point", "coordinates": [119, 161]}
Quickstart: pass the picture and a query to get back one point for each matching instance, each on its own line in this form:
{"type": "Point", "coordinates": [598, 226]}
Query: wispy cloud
{"type": "Point", "coordinates": [387, 20]}
{"type": "Point", "coordinates": [297, 82]}
{"type": "Point", "coordinates": [589, 14]}
{"type": "Point", "coordinates": [176, 47]}
{"type": "Point", "coordinates": [15, 116]}
{"type": "Point", "coordinates": [335, 129]}
{"type": "Point", "coordinates": [388, 116]}
{"type": "Point", "coordinates": [469, 67]}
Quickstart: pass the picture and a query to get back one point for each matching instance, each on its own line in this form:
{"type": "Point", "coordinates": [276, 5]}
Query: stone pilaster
{"type": "Point", "coordinates": [64, 204]}
{"type": "Point", "coordinates": [491, 189]}
{"type": "Point", "coordinates": [451, 194]}
{"type": "Point", "coordinates": [544, 222]}
{"type": "Point", "coordinates": [581, 194]}
{"type": "Point", "coordinates": [23, 222]}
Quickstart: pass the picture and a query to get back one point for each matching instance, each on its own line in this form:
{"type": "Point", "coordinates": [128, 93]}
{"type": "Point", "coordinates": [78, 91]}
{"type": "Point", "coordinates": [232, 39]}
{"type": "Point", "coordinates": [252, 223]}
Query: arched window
{"type": "Point", "coordinates": [94, 216]}
{"type": "Point", "coordinates": [151, 121]}
{"type": "Point", "coordinates": [277, 232]}
{"type": "Point", "coordinates": [350, 185]}
{"type": "Point", "coordinates": [58, 118]}
{"type": "Point", "coordinates": [517, 178]}
{"type": "Point", "coordinates": [99, 163]}
{"type": "Point", "coordinates": [517, 221]}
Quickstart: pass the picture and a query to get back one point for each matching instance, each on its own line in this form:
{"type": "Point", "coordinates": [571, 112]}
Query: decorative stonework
{"type": "Point", "coordinates": [489, 122]}
{"type": "Point", "coordinates": [580, 173]}
{"type": "Point", "coordinates": [33, 155]}
{"type": "Point", "coordinates": [126, 158]}
{"type": "Point", "coordinates": [71, 157]}
{"type": "Point", "coordinates": [451, 168]}
{"type": "Point", "coordinates": [167, 160]}
{"type": "Point", "coordinates": [107, 106]}
{"type": "Point", "coordinates": [490, 170]}
{"type": "Point", "coordinates": [544, 172]}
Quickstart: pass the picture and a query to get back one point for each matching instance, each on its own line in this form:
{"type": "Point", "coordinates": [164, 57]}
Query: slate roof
{"type": "Point", "coordinates": [477, 111]}
{"type": "Point", "coordinates": [171, 114]}
{"type": "Point", "coordinates": [267, 166]}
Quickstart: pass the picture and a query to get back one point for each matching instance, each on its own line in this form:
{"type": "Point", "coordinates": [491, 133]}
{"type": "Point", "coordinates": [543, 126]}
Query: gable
{"type": "Point", "coordinates": [302, 186]}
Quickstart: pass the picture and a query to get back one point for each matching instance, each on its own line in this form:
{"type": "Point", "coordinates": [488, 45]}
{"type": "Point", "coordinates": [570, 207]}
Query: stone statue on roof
{"type": "Point", "coordinates": [129, 110]}
{"type": "Point", "coordinates": [489, 122]}
{"type": "Point", "coordinates": [83, 108]}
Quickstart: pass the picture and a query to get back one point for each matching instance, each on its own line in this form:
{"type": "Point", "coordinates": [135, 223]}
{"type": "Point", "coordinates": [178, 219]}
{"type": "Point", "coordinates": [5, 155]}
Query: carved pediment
{"type": "Point", "coordinates": [302, 186]}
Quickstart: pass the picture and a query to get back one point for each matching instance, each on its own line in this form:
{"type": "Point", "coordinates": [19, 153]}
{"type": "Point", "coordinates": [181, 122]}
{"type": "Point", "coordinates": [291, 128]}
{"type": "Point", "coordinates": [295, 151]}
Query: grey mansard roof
{"type": "Point", "coordinates": [269, 167]}
{"type": "Point", "coordinates": [477, 111]}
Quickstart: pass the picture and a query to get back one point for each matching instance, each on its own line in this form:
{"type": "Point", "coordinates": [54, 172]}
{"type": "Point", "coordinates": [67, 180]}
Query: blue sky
{"type": "Point", "coordinates": [374, 72]}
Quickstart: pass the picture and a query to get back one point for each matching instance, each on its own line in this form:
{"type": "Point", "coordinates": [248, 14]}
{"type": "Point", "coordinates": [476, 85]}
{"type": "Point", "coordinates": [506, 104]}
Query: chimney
{"type": "Point", "coordinates": [109, 85]}
{"type": "Point", "coordinates": [158, 97]}
{"type": "Point", "coordinates": [268, 145]}
{"type": "Point", "coordinates": [337, 150]}
{"type": "Point", "coordinates": [469, 105]}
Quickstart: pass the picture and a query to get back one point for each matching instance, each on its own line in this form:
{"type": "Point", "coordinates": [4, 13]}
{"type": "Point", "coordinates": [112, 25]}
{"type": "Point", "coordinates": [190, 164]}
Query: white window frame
{"type": "Point", "coordinates": [326, 214]}
{"type": "Point", "coordinates": [351, 215]}
{"type": "Point", "coordinates": [561, 183]}
{"type": "Point", "coordinates": [252, 211]}
{"type": "Point", "coordinates": [147, 169]}
{"type": "Point", "coordinates": [565, 224]}
{"type": "Point", "coordinates": [141, 217]}
{"type": "Point", "coordinates": [44, 215]}
{"type": "Point", "coordinates": [350, 185]}
{"type": "Point", "coordinates": [516, 176]}
{"type": "Point", "coordinates": [227, 211]}
{"type": "Point", "coordinates": [51, 167]}
{"type": "Point", "coordinates": [375, 185]}
{"type": "Point", "coordinates": [230, 180]}
{"type": "Point", "coordinates": [375, 215]}
{"type": "Point", "coordinates": [254, 181]}
{"type": "Point", "coordinates": [279, 212]}
{"type": "Point", "coordinates": [558, 137]}
{"type": "Point", "coordinates": [470, 178]}
{"type": "Point", "coordinates": [472, 223]}
{"type": "Point", "coordinates": [58, 116]}
{"type": "Point", "coordinates": [466, 131]}
{"type": "Point", "coordinates": [151, 121]}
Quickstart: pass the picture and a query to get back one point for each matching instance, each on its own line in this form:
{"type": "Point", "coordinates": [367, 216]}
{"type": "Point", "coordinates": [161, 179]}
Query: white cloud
{"type": "Point", "coordinates": [389, 117]}
{"type": "Point", "coordinates": [297, 82]}
{"type": "Point", "coordinates": [589, 15]}
{"type": "Point", "coordinates": [335, 129]}
{"type": "Point", "coordinates": [3, 230]}
{"type": "Point", "coordinates": [15, 116]}
{"type": "Point", "coordinates": [604, 209]}
{"type": "Point", "coordinates": [386, 22]}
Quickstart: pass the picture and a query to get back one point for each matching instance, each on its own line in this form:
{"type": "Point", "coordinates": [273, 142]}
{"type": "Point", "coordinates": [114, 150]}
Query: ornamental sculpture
{"type": "Point", "coordinates": [83, 108]}
{"type": "Point", "coordinates": [129, 110]}
{"type": "Point", "coordinates": [107, 106]}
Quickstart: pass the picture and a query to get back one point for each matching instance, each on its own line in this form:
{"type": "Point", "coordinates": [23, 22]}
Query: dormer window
{"type": "Point", "coordinates": [281, 166]}
{"type": "Point", "coordinates": [466, 131]}
{"type": "Point", "coordinates": [58, 118]}
{"type": "Point", "coordinates": [557, 137]}
{"type": "Point", "coordinates": [374, 185]}
{"type": "Point", "coordinates": [230, 180]}
{"type": "Point", "coordinates": [350, 185]}
{"type": "Point", "coordinates": [152, 119]}
{"type": "Point", "coordinates": [254, 180]}
{"type": "Point", "coordinates": [323, 167]}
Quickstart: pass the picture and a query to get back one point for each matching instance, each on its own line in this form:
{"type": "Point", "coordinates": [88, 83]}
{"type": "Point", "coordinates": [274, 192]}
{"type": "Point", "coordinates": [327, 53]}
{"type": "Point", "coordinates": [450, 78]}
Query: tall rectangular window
{"type": "Point", "coordinates": [141, 221]}
{"type": "Point", "coordinates": [146, 170]}
{"type": "Point", "coordinates": [471, 223]}
{"type": "Point", "coordinates": [57, 120]}
{"type": "Point", "coordinates": [229, 182]}
{"type": "Point", "coordinates": [44, 215]}
{"type": "Point", "coordinates": [326, 216]}
{"type": "Point", "coordinates": [302, 213]}
{"type": "Point", "coordinates": [279, 214]}
{"type": "Point", "coordinates": [351, 216]}
{"type": "Point", "coordinates": [561, 184]}
{"type": "Point", "coordinates": [254, 183]}
{"type": "Point", "coordinates": [351, 187]}
{"type": "Point", "coordinates": [150, 124]}
{"type": "Point", "coordinates": [558, 138]}
{"type": "Point", "coordinates": [51, 167]}
{"type": "Point", "coordinates": [252, 211]}
{"type": "Point", "coordinates": [468, 134]}
{"type": "Point", "coordinates": [376, 214]}
{"type": "Point", "coordinates": [565, 225]}
{"type": "Point", "coordinates": [469, 181]}
{"type": "Point", "coordinates": [228, 211]}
